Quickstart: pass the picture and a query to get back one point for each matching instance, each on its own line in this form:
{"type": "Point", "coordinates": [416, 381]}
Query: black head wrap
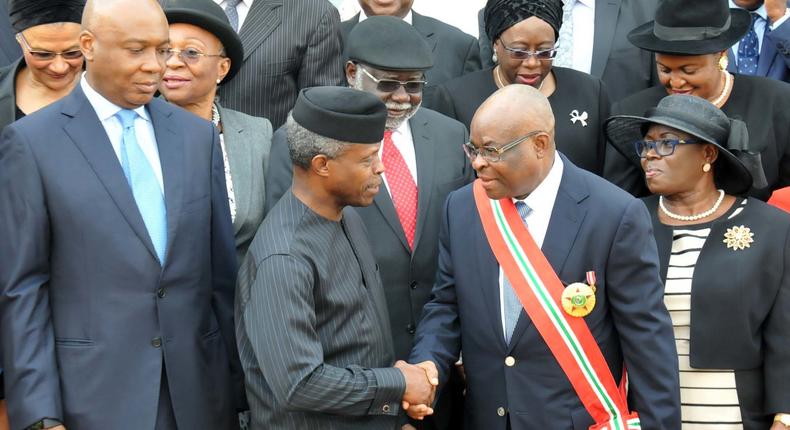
{"type": "Point", "coordinates": [503, 14]}
{"type": "Point", "coordinates": [30, 13]}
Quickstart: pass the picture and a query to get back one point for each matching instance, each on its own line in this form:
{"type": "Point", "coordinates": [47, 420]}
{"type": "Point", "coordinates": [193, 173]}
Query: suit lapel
{"type": "Point", "coordinates": [606, 14]}
{"type": "Point", "coordinates": [88, 134]}
{"type": "Point", "coordinates": [240, 159]}
{"type": "Point", "coordinates": [488, 274]}
{"type": "Point", "coordinates": [384, 204]}
{"type": "Point", "coordinates": [767, 55]}
{"type": "Point", "coordinates": [421, 25]}
{"type": "Point", "coordinates": [171, 158]}
{"type": "Point", "coordinates": [424, 152]}
{"type": "Point", "coordinates": [262, 19]}
{"type": "Point", "coordinates": [566, 220]}
{"type": "Point", "coordinates": [8, 93]}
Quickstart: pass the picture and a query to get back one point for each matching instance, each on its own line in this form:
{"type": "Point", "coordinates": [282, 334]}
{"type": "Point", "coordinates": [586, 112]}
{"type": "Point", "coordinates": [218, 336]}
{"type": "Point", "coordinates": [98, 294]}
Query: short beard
{"type": "Point", "coordinates": [396, 122]}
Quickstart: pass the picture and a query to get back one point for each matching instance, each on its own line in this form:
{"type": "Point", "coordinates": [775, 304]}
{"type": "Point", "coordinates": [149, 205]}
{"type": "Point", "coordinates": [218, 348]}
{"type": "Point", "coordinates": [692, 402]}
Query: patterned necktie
{"type": "Point", "coordinates": [402, 187]}
{"type": "Point", "coordinates": [511, 303]}
{"type": "Point", "coordinates": [232, 13]}
{"type": "Point", "coordinates": [749, 50]}
{"type": "Point", "coordinates": [145, 187]}
{"type": "Point", "coordinates": [564, 56]}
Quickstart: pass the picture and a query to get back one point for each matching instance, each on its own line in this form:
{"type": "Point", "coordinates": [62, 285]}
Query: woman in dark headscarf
{"type": "Point", "coordinates": [524, 35]}
{"type": "Point", "coordinates": [48, 33]}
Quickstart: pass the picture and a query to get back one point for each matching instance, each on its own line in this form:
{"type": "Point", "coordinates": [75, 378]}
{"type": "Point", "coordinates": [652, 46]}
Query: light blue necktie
{"type": "Point", "coordinates": [232, 13]}
{"type": "Point", "coordinates": [511, 303]}
{"type": "Point", "coordinates": [749, 50]}
{"type": "Point", "coordinates": [145, 187]}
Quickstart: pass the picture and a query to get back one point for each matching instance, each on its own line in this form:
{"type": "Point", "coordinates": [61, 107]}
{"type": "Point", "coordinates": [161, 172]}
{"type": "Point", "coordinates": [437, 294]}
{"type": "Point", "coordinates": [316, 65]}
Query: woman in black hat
{"type": "Point", "coordinates": [725, 259]}
{"type": "Point", "coordinates": [524, 35]}
{"type": "Point", "coordinates": [690, 45]}
{"type": "Point", "coordinates": [48, 33]}
{"type": "Point", "coordinates": [206, 52]}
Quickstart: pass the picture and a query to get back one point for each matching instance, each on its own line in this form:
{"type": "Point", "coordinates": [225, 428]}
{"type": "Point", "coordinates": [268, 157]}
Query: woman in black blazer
{"type": "Point", "coordinates": [725, 260]}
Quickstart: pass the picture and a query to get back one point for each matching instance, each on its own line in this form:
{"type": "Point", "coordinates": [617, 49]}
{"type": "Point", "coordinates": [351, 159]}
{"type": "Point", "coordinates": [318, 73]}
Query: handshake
{"type": "Point", "coordinates": [421, 382]}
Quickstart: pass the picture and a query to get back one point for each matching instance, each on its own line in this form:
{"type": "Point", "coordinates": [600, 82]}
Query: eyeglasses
{"type": "Point", "coordinates": [493, 154]}
{"type": "Point", "coordinates": [48, 55]}
{"type": "Point", "coordinates": [663, 147]}
{"type": "Point", "coordinates": [392, 85]}
{"type": "Point", "coordinates": [189, 55]}
{"type": "Point", "coordinates": [523, 54]}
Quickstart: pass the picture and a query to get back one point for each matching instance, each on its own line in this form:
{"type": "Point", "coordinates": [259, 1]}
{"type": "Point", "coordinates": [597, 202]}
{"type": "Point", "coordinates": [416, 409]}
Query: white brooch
{"type": "Point", "coordinates": [575, 116]}
{"type": "Point", "coordinates": [739, 237]}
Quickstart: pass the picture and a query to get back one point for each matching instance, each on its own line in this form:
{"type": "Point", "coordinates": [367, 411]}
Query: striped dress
{"type": "Point", "coordinates": [709, 400]}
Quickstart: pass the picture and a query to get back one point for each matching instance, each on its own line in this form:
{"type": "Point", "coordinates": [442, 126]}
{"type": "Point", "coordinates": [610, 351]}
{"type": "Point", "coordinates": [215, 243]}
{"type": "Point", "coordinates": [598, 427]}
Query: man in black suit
{"type": "Point", "coordinates": [288, 45]}
{"type": "Point", "coordinates": [624, 68]}
{"type": "Point", "coordinates": [454, 52]}
{"type": "Point", "coordinates": [423, 161]}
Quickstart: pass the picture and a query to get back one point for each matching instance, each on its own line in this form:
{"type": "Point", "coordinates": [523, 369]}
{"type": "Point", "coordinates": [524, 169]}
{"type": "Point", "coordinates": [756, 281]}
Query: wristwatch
{"type": "Point", "coordinates": [46, 423]}
{"type": "Point", "coordinates": [783, 418]}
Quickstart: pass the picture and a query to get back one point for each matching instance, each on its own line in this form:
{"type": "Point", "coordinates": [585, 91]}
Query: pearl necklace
{"type": "Point", "coordinates": [696, 217]}
{"type": "Point", "coordinates": [215, 115]}
{"type": "Point", "coordinates": [727, 86]}
{"type": "Point", "coordinates": [500, 83]}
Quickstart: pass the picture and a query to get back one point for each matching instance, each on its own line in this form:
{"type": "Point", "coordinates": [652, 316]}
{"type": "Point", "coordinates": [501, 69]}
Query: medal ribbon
{"type": "Point", "coordinates": [540, 290]}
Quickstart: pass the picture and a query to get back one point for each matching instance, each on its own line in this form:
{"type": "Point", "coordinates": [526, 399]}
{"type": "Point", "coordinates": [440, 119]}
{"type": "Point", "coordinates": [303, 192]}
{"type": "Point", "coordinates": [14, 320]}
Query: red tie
{"type": "Point", "coordinates": [402, 187]}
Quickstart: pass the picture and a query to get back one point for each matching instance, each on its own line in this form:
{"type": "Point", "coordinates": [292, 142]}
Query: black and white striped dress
{"type": "Point", "coordinates": [708, 397]}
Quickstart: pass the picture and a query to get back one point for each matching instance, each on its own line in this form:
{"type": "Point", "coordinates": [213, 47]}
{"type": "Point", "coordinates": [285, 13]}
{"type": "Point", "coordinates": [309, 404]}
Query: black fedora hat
{"type": "Point", "coordinates": [700, 27]}
{"type": "Point", "coordinates": [738, 166]}
{"type": "Point", "coordinates": [209, 16]}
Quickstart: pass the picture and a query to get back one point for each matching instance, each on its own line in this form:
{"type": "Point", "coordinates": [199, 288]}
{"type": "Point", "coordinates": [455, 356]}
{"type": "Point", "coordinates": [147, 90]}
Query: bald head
{"type": "Point", "coordinates": [99, 13]}
{"type": "Point", "coordinates": [519, 108]}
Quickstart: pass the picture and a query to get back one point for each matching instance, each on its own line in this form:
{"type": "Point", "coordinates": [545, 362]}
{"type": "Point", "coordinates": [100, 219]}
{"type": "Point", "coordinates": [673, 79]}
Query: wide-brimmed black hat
{"type": "Point", "coordinates": [696, 27]}
{"type": "Point", "coordinates": [388, 43]}
{"type": "Point", "coordinates": [30, 13]}
{"type": "Point", "coordinates": [738, 166]}
{"type": "Point", "coordinates": [209, 16]}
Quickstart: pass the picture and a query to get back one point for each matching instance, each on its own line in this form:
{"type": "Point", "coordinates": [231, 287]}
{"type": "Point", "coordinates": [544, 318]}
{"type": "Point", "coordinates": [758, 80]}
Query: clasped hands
{"type": "Point", "coordinates": [421, 382]}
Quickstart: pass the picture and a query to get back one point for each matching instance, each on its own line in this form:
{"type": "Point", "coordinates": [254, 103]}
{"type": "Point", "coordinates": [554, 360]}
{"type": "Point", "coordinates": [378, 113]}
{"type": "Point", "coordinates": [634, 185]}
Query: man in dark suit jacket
{"type": "Point", "coordinates": [117, 301]}
{"type": "Point", "coordinates": [774, 34]}
{"type": "Point", "coordinates": [624, 68]}
{"type": "Point", "coordinates": [454, 52]}
{"type": "Point", "coordinates": [9, 49]}
{"type": "Point", "coordinates": [387, 48]}
{"type": "Point", "coordinates": [582, 223]}
{"type": "Point", "coordinates": [288, 45]}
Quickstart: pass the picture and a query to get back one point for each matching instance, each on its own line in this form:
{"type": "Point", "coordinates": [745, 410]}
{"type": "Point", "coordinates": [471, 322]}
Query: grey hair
{"type": "Point", "coordinates": [304, 145]}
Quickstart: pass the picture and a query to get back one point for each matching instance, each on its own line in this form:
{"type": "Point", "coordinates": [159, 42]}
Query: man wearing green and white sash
{"type": "Point", "coordinates": [549, 282]}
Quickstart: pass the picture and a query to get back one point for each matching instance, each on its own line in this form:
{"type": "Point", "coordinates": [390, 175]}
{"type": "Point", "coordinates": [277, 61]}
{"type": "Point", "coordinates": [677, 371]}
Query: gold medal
{"type": "Point", "coordinates": [578, 299]}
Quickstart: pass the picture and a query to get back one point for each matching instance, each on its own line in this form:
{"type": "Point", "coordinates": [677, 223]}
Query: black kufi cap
{"type": "Point", "coordinates": [499, 15]}
{"type": "Point", "coordinates": [388, 43]}
{"type": "Point", "coordinates": [341, 113]}
{"type": "Point", "coordinates": [30, 13]}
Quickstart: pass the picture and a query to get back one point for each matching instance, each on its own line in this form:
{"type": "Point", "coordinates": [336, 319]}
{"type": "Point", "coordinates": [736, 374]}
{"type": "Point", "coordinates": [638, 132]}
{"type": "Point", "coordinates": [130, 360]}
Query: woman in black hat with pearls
{"type": "Point", "coordinates": [690, 42]}
{"type": "Point", "coordinates": [524, 35]}
{"type": "Point", "coordinates": [725, 259]}
{"type": "Point", "coordinates": [48, 34]}
{"type": "Point", "coordinates": [206, 52]}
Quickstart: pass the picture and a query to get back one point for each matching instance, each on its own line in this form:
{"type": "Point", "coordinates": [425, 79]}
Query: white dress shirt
{"type": "Point", "coordinates": [402, 139]}
{"type": "Point", "coordinates": [363, 17]}
{"type": "Point", "coordinates": [143, 127]}
{"type": "Point", "coordinates": [759, 27]}
{"type": "Point", "coordinates": [243, 8]}
{"type": "Point", "coordinates": [541, 202]}
{"type": "Point", "coordinates": [583, 34]}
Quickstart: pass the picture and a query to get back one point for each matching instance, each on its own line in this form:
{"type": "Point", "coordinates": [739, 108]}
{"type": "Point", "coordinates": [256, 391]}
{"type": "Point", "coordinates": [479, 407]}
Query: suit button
{"type": "Point", "coordinates": [500, 411]}
{"type": "Point", "coordinates": [156, 342]}
{"type": "Point", "coordinates": [385, 409]}
{"type": "Point", "coordinates": [413, 285]}
{"type": "Point", "coordinates": [411, 328]}
{"type": "Point", "coordinates": [160, 293]}
{"type": "Point", "coordinates": [510, 361]}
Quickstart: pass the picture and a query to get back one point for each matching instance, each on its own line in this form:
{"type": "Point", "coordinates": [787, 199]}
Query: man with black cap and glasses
{"type": "Point", "coordinates": [311, 316]}
{"type": "Point", "coordinates": [423, 160]}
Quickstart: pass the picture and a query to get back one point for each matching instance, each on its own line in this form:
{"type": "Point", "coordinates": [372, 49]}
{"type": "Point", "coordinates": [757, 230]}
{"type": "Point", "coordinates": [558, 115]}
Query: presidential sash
{"type": "Point", "coordinates": [540, 292]}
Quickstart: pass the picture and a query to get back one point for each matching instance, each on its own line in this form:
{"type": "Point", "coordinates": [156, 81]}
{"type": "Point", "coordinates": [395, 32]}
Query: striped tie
{"type": "Point", "coordinates": [565, 43]}
{"type": "Point", "coordinates": [511, 303]}
{"type": "Point", "coordinates": [232, 13]}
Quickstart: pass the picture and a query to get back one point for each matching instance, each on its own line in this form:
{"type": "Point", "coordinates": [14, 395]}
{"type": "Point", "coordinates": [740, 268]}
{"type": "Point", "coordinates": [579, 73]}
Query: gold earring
{"type": "Point", "coordinates": [724, 62]}
{"type": "Point", "coordinates": [706, 167]}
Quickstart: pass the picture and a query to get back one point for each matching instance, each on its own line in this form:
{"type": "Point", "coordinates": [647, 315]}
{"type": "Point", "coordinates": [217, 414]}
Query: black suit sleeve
{"type": "Point", "coordinates": [322, 62]}
{"type": "Point", "coordinates": [777, 347]}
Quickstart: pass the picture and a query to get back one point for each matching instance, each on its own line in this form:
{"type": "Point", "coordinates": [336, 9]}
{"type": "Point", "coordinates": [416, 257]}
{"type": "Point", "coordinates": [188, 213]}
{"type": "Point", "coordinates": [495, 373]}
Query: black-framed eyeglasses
{"type": "Point", "coordinates": [491, 153]}
{"type": "Point", "coordinates": [523, 54]}
{"type": "Point", "coordinates": [189, 55]}
{"type": "Point", "coordinates": [392, 85]}
{"type": "Point", "coordinates": [48, 55]}
{"type": "Point", "coordinates": [663, 147]}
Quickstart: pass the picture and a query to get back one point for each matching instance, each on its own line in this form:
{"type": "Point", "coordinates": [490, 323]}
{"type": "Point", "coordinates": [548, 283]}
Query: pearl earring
{"type": "Point", "coordinates": [706, 167]}
{"type": "Point", "coordinates": [218, 81]}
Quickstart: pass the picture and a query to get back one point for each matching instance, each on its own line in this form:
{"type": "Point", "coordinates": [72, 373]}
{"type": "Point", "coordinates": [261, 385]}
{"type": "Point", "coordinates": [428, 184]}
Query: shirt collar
{"type": "Point", "coordinates": [247, 3]}
{"type": "Point", "coordinates": [760, 11]}
{"type": "Point", "coordinates": [406, 18]}
{"type": "Point", "coordinates": [541, 200]}
{"type": "Point", "coordinates": [104, 108]}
